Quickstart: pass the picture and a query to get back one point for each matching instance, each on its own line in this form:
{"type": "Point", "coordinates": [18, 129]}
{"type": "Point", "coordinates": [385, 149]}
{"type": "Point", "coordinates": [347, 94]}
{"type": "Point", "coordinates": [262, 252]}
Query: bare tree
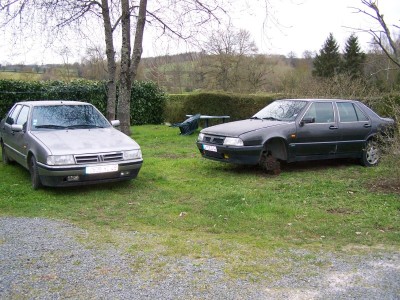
{"type": "Point", "coordinates": [382, 37]}
{"type": "Point", "coordinates": [94, 64]}
{"type": "Point", "coordinates": [178, 18]}
{"type": "Point", "coordinates": [228, 49]}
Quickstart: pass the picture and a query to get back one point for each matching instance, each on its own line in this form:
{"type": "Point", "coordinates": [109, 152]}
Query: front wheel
{"type": "Point", "coordinates": [33, 169]}
{"type": "Point", "coordinates": [270, 164]}
{"type": "Point", "coordinates": [371, 154]}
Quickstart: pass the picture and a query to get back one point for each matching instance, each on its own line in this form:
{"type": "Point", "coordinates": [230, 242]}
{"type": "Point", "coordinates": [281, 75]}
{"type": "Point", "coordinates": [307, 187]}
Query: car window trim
{"type": "Point", "coordinates": [27, 116]}
{"type": "Point", "coordinates": [18, 105]}
{"type": "Point", "coordinates": [363, 112]}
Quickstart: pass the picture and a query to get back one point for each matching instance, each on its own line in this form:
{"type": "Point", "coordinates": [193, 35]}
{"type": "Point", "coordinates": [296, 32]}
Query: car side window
{"type": "Point", "coordinates": [322, 112]}
{"type": "Point", "coordinates": [360, 114]}
{"type": "Point", "coordinates": [347, 112]}
{"type": "Point", "coordinates": [23, 116]}
{"type": "Point", "coordinates": [13, 115]}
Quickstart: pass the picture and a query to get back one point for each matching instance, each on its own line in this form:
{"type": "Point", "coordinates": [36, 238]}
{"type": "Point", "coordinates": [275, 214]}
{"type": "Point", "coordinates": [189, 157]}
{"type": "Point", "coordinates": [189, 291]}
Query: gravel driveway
{"type": "Point", "coordinates": [43, 259]}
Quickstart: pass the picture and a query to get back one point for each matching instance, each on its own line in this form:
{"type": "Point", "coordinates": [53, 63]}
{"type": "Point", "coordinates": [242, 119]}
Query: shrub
{"type": "Point", "coordinates": [235, 105]}
{"type": "Point", "coordinates": [147, 103]}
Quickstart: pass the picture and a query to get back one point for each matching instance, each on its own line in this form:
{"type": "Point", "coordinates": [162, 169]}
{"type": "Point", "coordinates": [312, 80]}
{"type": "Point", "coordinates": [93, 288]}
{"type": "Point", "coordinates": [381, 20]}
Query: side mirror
{"type": "Point", "coordinates": [16, 128]}
{"type": "Point", "coordinates": [307, 121]}
{"type": "Point", "coordinates": [115, 123]}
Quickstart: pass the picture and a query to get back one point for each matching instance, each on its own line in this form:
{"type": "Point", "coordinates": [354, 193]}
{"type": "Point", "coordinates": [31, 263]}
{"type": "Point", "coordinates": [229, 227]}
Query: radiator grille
{"type": "Point", "coordinates": [96, 158]}
{"type": "Point", "coordinates": [218, 140]}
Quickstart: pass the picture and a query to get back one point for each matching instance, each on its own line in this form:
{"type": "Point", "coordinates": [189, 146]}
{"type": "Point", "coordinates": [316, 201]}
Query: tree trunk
{"type": "Point", "coordinates": [137, 47]}
{"type": "Point", "coordinates": [125, 78]}
{"type": "Point", "coordinates": [111, 65]}
{"type": "Point", "coordinates": [129, 66]}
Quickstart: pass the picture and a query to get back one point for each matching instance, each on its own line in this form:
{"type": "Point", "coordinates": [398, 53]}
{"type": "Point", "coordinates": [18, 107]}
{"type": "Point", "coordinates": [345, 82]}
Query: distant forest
{"type": "Point", "coordinates": [196, 71]}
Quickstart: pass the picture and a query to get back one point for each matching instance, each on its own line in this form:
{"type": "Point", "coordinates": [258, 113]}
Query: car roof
{"type": "Point", "coordinates": [319, 100]}
{"type": "Point", "coordinates": [52, 102]}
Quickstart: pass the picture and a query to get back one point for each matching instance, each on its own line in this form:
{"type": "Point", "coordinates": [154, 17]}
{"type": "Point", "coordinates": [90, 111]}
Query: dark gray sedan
{"type": "Point", "coordinates": [65, 143]}
{"type": "Point", "coordinates": [297, 130]}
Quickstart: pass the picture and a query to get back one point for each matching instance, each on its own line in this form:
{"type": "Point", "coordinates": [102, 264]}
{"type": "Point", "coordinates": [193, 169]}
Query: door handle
{"type": "Point", "coordinates": [333, 127]}
{"type": "Point", "coordinates": [367, 125]}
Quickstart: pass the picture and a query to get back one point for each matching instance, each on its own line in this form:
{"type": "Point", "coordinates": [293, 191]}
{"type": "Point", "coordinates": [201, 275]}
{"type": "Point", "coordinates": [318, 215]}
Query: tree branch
{"type": "Point", "coordinates": [393, 52]}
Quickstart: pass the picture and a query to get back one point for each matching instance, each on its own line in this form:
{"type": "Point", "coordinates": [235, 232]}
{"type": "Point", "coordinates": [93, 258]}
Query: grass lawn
{"type": "Point", "coordinates": [181, 204]}
{"type": "Point", "coordinates": [20, 76]}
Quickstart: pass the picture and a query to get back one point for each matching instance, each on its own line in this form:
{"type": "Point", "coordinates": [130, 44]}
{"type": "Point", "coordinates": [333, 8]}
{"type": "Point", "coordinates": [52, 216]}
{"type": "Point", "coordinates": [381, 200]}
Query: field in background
{"type": "Point", "coordinates": [20, 76]}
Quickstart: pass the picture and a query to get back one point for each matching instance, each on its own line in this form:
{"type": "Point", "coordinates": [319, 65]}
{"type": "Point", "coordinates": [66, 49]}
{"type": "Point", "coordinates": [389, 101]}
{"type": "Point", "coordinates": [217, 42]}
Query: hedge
{"type": "Point", "coordinates": [234, 105]}
{"type": "Point", "coordinates": [150, 105]}
{"type": "Point", "coordinates": [147, 104]}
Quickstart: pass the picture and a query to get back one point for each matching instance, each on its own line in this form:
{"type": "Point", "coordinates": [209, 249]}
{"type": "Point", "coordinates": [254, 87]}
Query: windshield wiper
{"type": "Point", "coordinates": [255, 118]}
{"type": "Point", "coordinates": [272, 119]}
{"type": "Point", "coordinates": [77, 126]}
{"type": "Point", "coordinates": [50, 126]}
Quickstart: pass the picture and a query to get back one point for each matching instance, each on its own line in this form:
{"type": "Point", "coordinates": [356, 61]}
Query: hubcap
{"type": "Point", "coordinates": [372, 154]}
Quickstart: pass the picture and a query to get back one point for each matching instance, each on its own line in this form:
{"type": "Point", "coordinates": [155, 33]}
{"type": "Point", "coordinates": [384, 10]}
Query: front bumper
{"type": "Point", "coordinates": [75, 175]}
{"type": "Point", "coordinates": [243, 155]}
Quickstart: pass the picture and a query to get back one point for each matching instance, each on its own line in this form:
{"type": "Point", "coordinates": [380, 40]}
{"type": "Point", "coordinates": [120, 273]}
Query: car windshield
{"type": "Point", "coordinates": [67, 117]}
{"type": "Point", "coordinates": [281, 110]}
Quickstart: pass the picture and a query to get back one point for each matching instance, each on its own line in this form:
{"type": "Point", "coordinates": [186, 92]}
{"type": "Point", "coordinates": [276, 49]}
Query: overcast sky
{"type": "Point", "coordinates": [306, 24]}
{"type": "Point", "coordinates": [291, 26]}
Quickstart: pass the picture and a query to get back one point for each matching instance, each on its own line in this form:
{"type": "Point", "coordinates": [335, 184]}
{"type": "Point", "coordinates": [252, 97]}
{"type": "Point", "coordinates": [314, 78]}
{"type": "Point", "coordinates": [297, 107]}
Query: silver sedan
{"type": "Point", "coordinates": [64, 143]}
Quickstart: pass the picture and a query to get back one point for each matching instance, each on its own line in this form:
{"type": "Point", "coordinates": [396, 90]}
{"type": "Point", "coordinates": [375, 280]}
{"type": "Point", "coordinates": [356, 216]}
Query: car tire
{"type": "Point", "coordinates": [270, 164]}
{"type": "Point", "coordinates": [6, 160]}
{"type": "Point", "coordinates": [371, 154]}
{"type": "Point", "coordinates": [33, 169]}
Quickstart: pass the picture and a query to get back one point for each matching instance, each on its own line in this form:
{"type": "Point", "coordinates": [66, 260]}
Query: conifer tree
{"type": "Point", "coordinates": [353, 57]}
{"type": "Point", "coordinates": [327, 63]}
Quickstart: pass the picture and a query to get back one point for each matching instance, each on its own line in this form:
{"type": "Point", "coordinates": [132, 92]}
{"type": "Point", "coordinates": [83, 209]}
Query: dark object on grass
{"type": "Point", "coordinates": [188, 126]}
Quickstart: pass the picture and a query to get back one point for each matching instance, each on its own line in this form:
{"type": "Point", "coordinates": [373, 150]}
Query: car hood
{"type": "Point", "coordinates": [237, 128]}
{"type": "Point", "coordinates": [83, 141]}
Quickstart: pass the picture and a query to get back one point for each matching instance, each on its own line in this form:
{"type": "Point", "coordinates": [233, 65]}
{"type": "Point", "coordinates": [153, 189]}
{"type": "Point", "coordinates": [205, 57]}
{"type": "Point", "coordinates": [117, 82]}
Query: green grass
{"type": "Point", "coordinates": [20, 76]}
{"type": "Point", "coordinates": [181, 204]}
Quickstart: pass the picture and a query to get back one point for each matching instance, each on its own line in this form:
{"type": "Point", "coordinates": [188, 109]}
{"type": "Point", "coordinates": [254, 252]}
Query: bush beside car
{"type": "Point", "coordinates": [147, 105]}
{"type": "Point", "coordinates": [237, 106]}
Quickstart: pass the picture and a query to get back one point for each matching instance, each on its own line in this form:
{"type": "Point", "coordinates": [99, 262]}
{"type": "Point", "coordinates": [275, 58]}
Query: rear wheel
{"type": "Point", "coordinates": [4, 156]}
{"type": "Point", "coordinates": [270, 164]}
{"type": "Point", "coordinates": [33, 169]}
{"type": "Point", "coordinates": [371, 154]}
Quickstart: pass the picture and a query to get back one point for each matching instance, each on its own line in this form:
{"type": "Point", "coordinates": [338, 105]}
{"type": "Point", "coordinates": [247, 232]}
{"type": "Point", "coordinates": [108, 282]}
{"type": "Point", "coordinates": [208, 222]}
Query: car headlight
{"type": "Point", "coordinates": [132, 154]}
{"type": "Point", "coordinates": [200, 137]}
{"type": "Point", "coordinates": [229, 141]}
{"type": "Point", "coordinates": [56, 160]}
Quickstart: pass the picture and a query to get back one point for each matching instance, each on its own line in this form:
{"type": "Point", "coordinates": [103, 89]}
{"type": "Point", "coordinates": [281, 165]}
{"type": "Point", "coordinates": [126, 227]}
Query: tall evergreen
{"type": "Point", "coordinates": [327, 63]}
{"type": "Point", "coordinates": [353, 57]}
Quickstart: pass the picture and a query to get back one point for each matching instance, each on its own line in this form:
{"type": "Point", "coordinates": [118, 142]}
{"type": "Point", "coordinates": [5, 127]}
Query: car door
{"type": "Point", "coordinates": [317, 133]}
{"type": "Point", "coordinates": [16, 138]}
{"type": "Point", "coordinates": [354, 128]}
{"type": "Point", "coordinates": [8, 133]}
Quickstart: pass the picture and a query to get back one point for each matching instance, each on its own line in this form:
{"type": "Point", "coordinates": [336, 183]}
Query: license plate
{"type": "Point", "coordinates": [210, 148]}
{"type": "Point", "coordinates": [101, 169]}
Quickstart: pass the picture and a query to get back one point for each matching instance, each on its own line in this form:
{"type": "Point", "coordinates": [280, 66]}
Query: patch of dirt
{"type": "Point", "coordinates": [387, 186]}
{"type": "Point", "coordinates": [340, 211]}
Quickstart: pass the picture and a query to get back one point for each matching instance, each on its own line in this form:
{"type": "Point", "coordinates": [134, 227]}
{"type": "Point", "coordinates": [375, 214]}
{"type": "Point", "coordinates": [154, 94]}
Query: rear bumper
{"type": "Point", "coordinates": [58, 176]}
{"type": "Point", "coordinates": [246, 155]}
